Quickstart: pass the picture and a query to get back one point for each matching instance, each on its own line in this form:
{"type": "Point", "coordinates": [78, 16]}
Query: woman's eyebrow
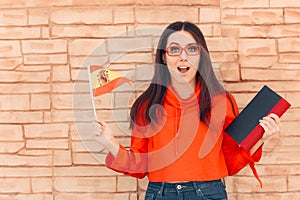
{"type": "Point", "coordinates": [175, 43]}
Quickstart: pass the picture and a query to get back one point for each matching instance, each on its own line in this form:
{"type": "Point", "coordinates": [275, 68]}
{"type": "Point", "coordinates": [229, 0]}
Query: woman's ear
{"type": "Point", "coordinates": [164, 59]}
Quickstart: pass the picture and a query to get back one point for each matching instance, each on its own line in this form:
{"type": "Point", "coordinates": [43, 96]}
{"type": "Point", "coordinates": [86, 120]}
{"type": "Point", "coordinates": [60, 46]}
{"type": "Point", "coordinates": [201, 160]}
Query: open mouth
{"type": "Point", "coordinates": [183, 69]}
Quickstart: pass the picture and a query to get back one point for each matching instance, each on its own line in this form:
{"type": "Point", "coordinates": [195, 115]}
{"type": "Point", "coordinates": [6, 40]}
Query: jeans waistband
{"type": "Point", "coordinates": [181, 186]}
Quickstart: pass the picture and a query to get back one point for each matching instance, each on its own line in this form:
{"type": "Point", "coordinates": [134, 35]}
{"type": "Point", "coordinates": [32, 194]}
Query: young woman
{"type": "Point", "coordinates": [178, 124]}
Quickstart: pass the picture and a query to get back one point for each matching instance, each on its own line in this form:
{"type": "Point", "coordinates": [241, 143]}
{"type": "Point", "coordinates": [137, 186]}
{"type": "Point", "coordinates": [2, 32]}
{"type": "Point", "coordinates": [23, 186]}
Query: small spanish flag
{"type": "Point", "coordinates": [104, 80]}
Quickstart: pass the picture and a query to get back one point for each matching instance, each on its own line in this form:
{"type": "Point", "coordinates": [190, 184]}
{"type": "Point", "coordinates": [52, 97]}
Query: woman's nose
{"type": "Point", "coordinates": [183, 56]}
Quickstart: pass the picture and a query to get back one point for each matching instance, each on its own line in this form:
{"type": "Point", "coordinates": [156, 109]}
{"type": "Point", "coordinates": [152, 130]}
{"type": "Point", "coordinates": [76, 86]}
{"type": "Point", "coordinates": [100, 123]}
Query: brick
{"type": "Point", "coordinates": [15, 160]}
{"type": "Point", "coordinates": [284, 4]}
{"type": "Point", "coordinates": [15, 17]}
{"type": "Point", "coordinates": [292, 114]}
{"type": "Point", "coordinates": [45, 32]}
{"type": "Point", "coordinates": [61, 73]}
{"type": "Point", "coordinates": [41, 3]}
{"type": "Point", "coordinates": [222, 44]}
{"type": "Point", "coordinates": [102, 196]}
{"type": "Point", "coordinates": [123, 15]}
{"type": "Point", "coordinates": [144, 72]}
{"type": "Point", "coordinates": [33, 68]}
{"type": "Point", "coordinates": [47, 144]}
{"type": "Point", "coordinates": [20, 32]}
{"type": "Point", "coordinates": [86, 31]}
{"type": "Point", "coordinates": [269, 74]}
{"type": "Point", "coordinates": [230, 72]}
{"type": "Point", "coordinates": [86, 146]}
{"type": "Point", "coordinates": [293, 98]}
{"type": "Point", "coordinates": [278, 86]}
{"type": "Point", "coordinates": [13, 185]}
{"type": "Point", "coordinates": [10, 63]}
{"type": "Point", "coordinates": [35, 152]}
{"type": "Point", "coordinates": [44, 46]}
{"type": "Point", "coordinates": [46, 131]}
{"type": "Point", "coordinates": [11, 147]}
{"type": "Point", "coordinates": [133, 196]}
{"type": "Point", "coordinates": [11, 133]}
{"type": "Point", "coordinates": [13, 76]}
{"type": "Point", "coordinates": [284, 30]}
{"type": "Point", "coordinates": [94, 47]}
{"type": "Point", "coordinates": [280, 158]}
{"type": "Point", "coordinates": [254, 31]}
{"type": "Point", "coordinates": [83, 171]}
{"type": "Point", "coordinates": [14, 102]}
{"type": "Point", "coordinates": [45, 59]}
{"type": "Point", "coordinates": [27, 196]}
{"type": "Point", "coordinates": [126, 184]}
{"type": "Point", "coordinates": [270, 184]}
{"type": "Point", "coordinates": [85, 184]}
{"type": "Point", "coordinates": [216, 30]}
{"type": "Point", "coordinates": [143, 183]}
{"type": "Point", "coordinates": [273, 170]}
{"type": "Point", "coordinates": [210, 15]}
{"type": "Point", "coordinates": [179, 2]}
{"type": "Point", "coordinates": [40, 185]}
{"type": "Point", "coordinates": [289, 128]}
{"type": "Point", "coordinates": [131, 58]}
{"type": "Point", "coordinates": [40, 101]}
{"type": "Point", "coordinates": [21, 117]}
{"type": "Point", "coordinates": [288, 44]}
{"type": "Point", "coordinates": [88, 158]}
{"type": "Point", "coordinates": [291, 15]}
{"type": "Point", "coordinates": [104, 3]}
{"type": "Point", "coordinates": [270, 195]}
{"type": "Point", "coordinates": [288, 66]}
{"type": "Point", "coordinates": [245, 4]}
{"type": "Point", "coordinates": [252, 16]}
{"type": "Point", "coordinates": [71, 115]}
{"type": "Point", "coordinates": [24, 88]}
{"type": "Point", "coordinates": [167, 14]}
{"type": "Point", "coordinates": [124, 100]}
{"type": "Point", "coordinates": [224, 57]}
{"type": "Point", "coordinates": [82, 62]}
{"type": "Point", "coordinates": [257, 47]}
{"type": "Point", "coordinates": [258, 61]}
{"type": "Point", "coordinates": [25, 172]}
{"type": "Point", "coordinates": [62, 158]}
{"type": "Point", "coordinates": [293, 183]}
{"type": "Point", "coordinates": [289, 58]}
{"type": "Point", "coordinates": [124, 45]}
{"type": "Point", "coordinates": [38, 16]}
{"type": "Point", "coordinates": [88, 15]}
{"type": "Point", "coordinates": [69, 87]}
{"type": "Point", "coordinates": [10, 49]}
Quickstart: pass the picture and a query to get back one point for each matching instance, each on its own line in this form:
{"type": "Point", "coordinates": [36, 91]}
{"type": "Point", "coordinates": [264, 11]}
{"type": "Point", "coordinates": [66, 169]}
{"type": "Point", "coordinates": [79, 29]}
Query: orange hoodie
{"type": "Point", "coordinates": [182, 148]}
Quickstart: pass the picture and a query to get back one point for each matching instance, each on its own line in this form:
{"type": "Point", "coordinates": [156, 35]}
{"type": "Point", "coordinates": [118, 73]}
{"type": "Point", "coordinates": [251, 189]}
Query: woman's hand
{"type": "Point", "coordinates": [271, 124]}
{"type": "Point", "coordinates": [104, 136]}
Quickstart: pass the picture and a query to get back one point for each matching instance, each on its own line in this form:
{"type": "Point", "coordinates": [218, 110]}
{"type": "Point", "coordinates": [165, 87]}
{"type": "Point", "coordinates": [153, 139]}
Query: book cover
{"type": "Point", "coordinates": [245, 128]}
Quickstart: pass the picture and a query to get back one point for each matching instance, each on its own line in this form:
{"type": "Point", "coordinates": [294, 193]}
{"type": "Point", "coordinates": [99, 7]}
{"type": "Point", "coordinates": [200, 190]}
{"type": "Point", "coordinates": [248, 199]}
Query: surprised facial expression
{"type": "Point", "coordinates": [182, 57]}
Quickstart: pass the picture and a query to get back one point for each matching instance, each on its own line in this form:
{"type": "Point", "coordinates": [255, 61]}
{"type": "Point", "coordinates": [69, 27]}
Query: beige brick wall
{"type": "Point", "coordinates": [45, 47]}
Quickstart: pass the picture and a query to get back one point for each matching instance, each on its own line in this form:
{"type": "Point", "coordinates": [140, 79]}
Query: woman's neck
{"type": "Point", "coordinates": [184, 90]}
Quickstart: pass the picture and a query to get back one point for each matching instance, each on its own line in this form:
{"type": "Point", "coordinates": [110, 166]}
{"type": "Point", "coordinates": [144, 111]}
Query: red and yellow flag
{"type": "Point", "coordinates": [104, 80]}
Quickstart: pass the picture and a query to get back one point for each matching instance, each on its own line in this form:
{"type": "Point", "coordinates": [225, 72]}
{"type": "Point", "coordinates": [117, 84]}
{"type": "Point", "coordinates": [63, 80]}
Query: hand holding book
{"type": "Point", "coordinates": [259, 119]}
{"type": "Point", "coordinates": [271, 125]}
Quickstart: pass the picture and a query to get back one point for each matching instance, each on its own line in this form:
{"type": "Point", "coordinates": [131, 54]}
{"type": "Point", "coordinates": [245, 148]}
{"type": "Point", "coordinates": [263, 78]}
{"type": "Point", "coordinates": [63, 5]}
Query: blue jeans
{"type": "Point", "coordinates": [212, 190]}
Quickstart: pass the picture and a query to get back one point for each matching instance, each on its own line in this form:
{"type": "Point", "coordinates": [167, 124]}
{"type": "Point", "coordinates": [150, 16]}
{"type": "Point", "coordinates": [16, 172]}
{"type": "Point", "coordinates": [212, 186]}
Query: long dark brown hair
{"type": "Point", "coordinates": [141, 112]}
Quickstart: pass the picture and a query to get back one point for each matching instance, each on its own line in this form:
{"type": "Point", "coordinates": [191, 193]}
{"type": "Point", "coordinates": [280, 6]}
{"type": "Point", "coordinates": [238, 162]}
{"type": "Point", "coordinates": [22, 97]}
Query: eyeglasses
{"type": "Point", "coordinates": [176, 50]}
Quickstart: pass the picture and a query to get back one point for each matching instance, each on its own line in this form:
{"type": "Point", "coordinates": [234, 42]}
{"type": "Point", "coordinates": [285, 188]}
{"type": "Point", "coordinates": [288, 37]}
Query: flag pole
{"type": "Point", "coordinates": [91, 92]}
